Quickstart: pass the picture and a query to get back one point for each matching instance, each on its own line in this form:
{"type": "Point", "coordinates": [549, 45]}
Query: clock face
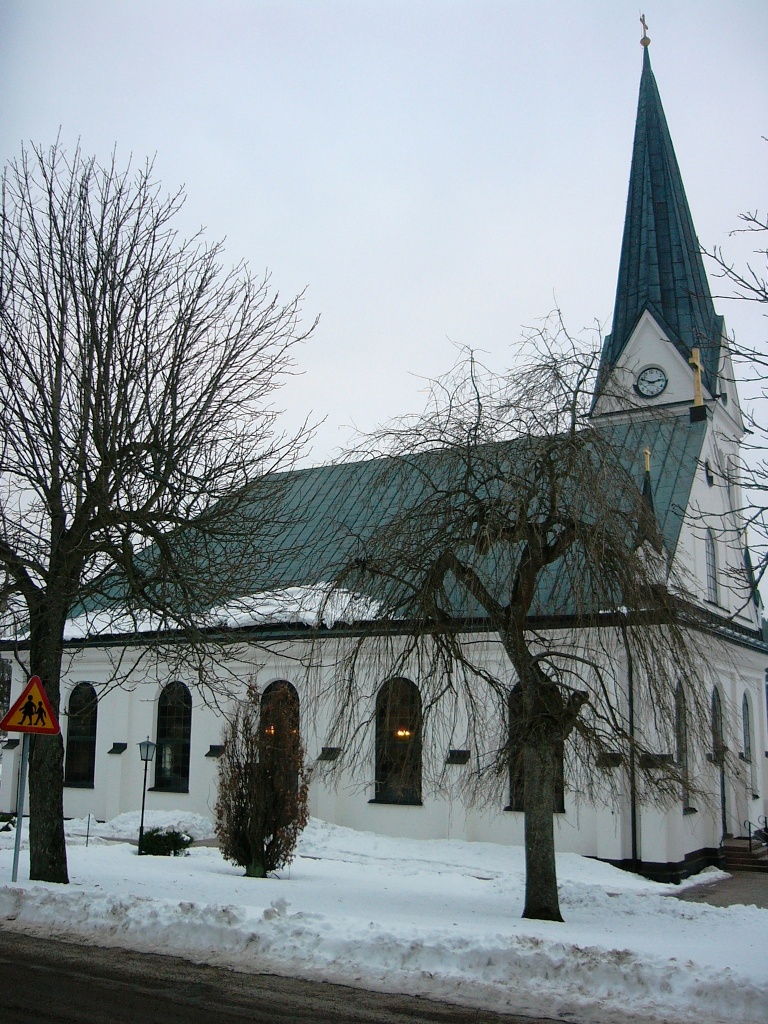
{"type": "Point", "coordinates": [651, 382]}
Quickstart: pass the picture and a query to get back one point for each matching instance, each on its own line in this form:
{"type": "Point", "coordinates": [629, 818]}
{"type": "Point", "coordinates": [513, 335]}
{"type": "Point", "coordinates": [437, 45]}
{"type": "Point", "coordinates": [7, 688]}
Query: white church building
{"type": "Point", "coordinates": [667, 351]}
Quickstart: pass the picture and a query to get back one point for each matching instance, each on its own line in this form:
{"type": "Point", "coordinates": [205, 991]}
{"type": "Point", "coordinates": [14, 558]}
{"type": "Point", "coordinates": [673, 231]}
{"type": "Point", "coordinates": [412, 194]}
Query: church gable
{"type": "Point", "coordinates": [650, 372]}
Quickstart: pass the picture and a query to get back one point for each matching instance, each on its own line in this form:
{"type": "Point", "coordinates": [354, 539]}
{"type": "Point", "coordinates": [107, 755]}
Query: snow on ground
{"type": "Point", "coordinates": [437, 918]}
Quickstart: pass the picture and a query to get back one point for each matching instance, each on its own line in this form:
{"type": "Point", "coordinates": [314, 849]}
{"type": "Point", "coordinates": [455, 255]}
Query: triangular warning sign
{"type": "Point", "coordinates": [32, 712]}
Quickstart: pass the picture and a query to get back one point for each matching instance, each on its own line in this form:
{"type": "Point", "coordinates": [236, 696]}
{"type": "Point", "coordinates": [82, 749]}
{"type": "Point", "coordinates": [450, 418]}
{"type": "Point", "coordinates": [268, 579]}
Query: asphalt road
{"type": "Point", "coordinates": [46, 981]}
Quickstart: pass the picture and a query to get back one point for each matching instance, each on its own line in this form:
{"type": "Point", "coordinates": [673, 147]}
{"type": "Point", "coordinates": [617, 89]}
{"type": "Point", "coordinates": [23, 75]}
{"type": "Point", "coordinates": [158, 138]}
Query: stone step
{"type": "Point", "coordinates": [738, 857]}
{"type": "Point", "coordinates": [744, 855]}
{"type": "Point", "coordinates": [742, 843]}
{"type": "Point", "coordinates": [759, 866]}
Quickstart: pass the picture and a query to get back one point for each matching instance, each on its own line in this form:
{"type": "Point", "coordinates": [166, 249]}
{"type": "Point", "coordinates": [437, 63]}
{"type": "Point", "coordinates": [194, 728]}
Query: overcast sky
{"type": "Point", "coordinates": [431, 171]}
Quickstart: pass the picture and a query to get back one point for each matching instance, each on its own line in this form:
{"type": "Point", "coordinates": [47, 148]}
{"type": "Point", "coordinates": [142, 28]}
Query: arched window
{"type": "Point", "coordinates": [710, 548]}
{"type": "Point", "coordinates": [398, 743]}
{"type": "Point", "coordinates": [279, 727]}
{"type": "Point", "coordinates": [747, 729]}
{"type": "Point", "coordinates": [718, 738]}
{"type": "Point", "coordinates": [746, 725]}
{"type": "Point", "coordinates": [718, 755]}
{"type": "Point", "coordinates": [80, 762]}
{"type": "Point", "coordinates": [174, 729]}
{"type": "Point", "coordinates": [516, 764]}
{"type": "Point", "coordinates": [681, 739]}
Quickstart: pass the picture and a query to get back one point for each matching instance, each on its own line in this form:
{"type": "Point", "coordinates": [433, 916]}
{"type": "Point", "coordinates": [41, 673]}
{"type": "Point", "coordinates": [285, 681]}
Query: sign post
{"type": "Point", "coordinates": [20, 804]}
{"type": "Point", "coordinates": [31, 713]}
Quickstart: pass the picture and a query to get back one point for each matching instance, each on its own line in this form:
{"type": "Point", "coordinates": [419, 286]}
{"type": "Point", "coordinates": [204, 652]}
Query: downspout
{"type": "Point", "coordinates": [632, 765]}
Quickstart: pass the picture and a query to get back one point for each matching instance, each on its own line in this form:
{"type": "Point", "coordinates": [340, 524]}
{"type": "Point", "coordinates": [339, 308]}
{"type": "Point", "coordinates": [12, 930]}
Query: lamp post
{"type": "Point", "coordinates": [146, 753]}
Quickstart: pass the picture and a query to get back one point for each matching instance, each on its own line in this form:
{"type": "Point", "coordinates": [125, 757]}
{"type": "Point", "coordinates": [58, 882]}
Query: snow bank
{"type": "Point", "coordinates": [430, 917]}
{"type": "Point", "coordinates": [124, 826]}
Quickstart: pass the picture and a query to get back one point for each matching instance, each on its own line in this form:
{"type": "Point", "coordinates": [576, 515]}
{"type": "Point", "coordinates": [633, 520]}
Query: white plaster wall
{"type": "Point", "coordinates": [129, 715]}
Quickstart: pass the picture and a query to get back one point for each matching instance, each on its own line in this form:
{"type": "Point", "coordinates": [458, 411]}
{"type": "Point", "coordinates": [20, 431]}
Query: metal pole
{"type": "Point", "coordinates": [143, 801]}
{"type": "Point", "coordinates": [632, 754]}
{"type": "Point", "coordinates": [632, 763]}
{"type": "Point", "coordinates": [20, 804]}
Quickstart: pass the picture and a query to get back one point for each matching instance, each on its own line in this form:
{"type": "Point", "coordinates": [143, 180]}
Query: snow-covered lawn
{"type": "Point", "coordinates": [437, 918]}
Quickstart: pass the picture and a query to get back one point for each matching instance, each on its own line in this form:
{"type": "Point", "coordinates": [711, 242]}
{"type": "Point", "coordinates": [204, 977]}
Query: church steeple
{"type": "Point", "coordinates": [661, 269]}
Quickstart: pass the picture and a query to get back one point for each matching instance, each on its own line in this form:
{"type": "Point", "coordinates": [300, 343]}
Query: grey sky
{"type": "Point", "coordinates": [427, 169]}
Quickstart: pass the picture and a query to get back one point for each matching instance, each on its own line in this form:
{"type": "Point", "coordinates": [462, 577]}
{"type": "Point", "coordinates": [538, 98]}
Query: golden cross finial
{"type": "Point", "coordinates": [695, 361]}
{"type": "Point", "coordinates": [645, 41]}
{"type": "Point", "coordinates": [647, 454]}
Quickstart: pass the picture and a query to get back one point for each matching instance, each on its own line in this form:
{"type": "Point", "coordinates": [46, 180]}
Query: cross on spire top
{"type": "Point", "coordinates": [645, 41]}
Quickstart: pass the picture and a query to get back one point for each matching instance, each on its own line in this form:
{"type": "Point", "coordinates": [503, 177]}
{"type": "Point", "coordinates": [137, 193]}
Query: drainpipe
{"type": "Point", "coordinates": [632, 766]}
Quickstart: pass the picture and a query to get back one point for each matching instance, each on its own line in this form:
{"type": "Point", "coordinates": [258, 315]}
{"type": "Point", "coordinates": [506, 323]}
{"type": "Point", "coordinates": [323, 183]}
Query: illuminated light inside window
{"type": "Point", "coordinates": [270, 730]}
{"type": "Point", "coordinates": [403, 734]}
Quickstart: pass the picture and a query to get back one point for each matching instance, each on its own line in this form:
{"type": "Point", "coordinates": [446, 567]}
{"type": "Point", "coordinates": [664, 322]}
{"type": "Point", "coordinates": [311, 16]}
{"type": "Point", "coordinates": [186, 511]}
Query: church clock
{"type": "Point", "coordinates": [651, 382]}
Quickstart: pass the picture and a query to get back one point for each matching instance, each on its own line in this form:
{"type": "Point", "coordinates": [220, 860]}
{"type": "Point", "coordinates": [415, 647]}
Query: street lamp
{"type": "Point", "coordinates": [146, 753]}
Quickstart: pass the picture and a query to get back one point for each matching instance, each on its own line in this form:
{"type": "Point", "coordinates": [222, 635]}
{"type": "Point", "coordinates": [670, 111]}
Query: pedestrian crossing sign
{"type": "Point", "coordinates": [32, 712]}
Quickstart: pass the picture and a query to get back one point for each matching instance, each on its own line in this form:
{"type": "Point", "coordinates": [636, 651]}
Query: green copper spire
{"type": "Point", "coordinates": [661, 269]}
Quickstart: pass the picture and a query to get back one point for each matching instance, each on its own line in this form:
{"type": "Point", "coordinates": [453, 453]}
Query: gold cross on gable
{"type": "Point", "coordinates": [695, 361]}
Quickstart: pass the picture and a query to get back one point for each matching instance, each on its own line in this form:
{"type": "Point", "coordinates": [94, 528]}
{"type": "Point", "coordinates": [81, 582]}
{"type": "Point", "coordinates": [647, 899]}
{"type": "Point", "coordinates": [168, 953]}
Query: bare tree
{"type": "Point", "coordinates": [137, 374]}
{"type": "Point", "coordinates": [522, 578]}
{"type": "Point", "coordinates": [748, 281]}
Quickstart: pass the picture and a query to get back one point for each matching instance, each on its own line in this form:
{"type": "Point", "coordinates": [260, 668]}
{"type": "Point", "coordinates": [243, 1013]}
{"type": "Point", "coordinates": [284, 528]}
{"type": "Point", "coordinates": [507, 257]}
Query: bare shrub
{"type": "Point", "coordinates": [263, 785]}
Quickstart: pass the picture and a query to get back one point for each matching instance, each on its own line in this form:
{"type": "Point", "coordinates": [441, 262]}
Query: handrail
{"type": "Point", "coordinates": [759, 830]}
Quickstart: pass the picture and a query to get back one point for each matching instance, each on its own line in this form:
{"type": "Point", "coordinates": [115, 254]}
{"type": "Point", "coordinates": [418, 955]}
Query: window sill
{"type": "Point", "coordinates": [168, 789]}
{"type": "Point", "coordinates": [520, 810]}
{"type": "Point", "coordinates": [79, 785]}
{"type": "Point", "coordinates": [397, 803]}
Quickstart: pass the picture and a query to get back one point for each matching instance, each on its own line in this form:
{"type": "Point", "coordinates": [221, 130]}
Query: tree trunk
{"type": "Point", "coordinates": [47, 847]}
{"type": "Point", "coordinates": [255, 869]}
{"type": "Point", "coordinates": [542, 727]}
{"type": "Point", "coordinates": [541, 901]}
